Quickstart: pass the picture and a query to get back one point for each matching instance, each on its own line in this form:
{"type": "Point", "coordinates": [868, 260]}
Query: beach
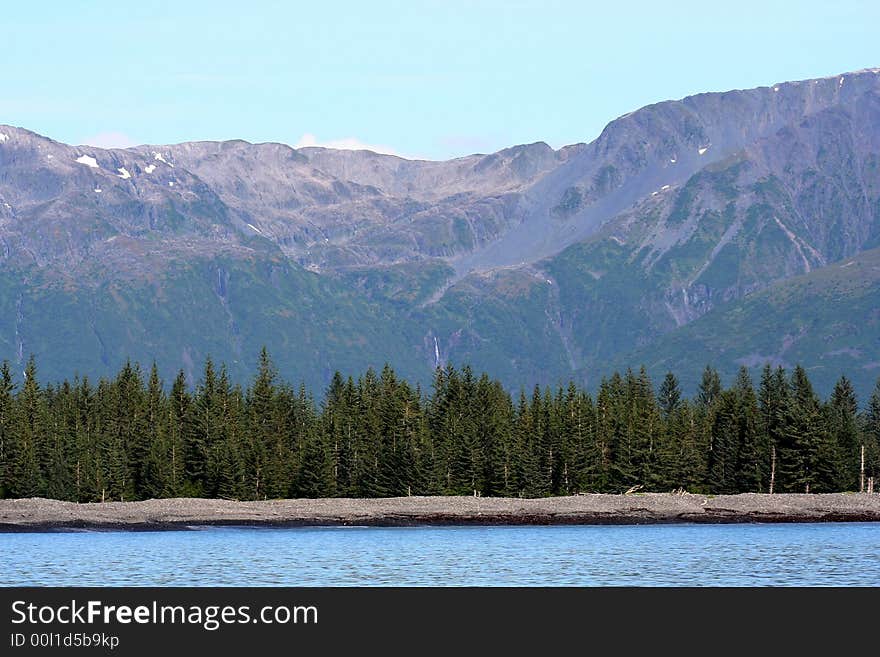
{"type": "Point", "coordinates": [38, 514]}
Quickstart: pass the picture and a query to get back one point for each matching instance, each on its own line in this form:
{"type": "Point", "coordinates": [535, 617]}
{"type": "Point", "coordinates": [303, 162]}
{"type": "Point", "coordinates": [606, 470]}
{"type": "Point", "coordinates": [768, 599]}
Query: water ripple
{"type": "Point", "coordinates": [841, 554]}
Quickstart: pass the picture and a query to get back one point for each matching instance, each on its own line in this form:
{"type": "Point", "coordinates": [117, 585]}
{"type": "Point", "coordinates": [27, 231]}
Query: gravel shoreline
{"type": "Point", "coordinates": [37, 514]}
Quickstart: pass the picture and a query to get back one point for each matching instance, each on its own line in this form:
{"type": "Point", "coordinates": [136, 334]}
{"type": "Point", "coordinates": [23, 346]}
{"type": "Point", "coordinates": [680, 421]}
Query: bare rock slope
{"type": "Point", "coordinates": [533, 263]}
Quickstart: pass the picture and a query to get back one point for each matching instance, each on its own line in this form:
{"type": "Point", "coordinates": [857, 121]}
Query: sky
{"type": "Point", "coordinates": [423, 79]}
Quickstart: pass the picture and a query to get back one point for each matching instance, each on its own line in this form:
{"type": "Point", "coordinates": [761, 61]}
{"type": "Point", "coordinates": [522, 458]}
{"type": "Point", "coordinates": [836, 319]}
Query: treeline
{"type": "Point", "coordinates": [129, 438]}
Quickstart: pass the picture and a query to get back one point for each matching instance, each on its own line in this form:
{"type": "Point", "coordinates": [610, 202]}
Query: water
{"type": "Point", "coordinates": [841, 554]}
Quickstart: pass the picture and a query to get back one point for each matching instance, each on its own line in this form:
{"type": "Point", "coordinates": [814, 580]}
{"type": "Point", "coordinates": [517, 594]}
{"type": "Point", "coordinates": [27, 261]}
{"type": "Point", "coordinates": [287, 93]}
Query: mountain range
{"type": "Point", "coordinates": [736, 228]}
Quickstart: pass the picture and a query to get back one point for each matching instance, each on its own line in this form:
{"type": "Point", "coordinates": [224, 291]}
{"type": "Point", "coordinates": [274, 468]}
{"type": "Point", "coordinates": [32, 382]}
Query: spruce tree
{"type": "Point", "coordinates": [58, 470]}
{"type": "Point", "coordinates": [338, 426]}
{"type": "Point", "coordinates": [539, 443]}
{"type": "Point", "coordinates": [842, 418]}
{"type": "Point", "coordinates": [313, 477]}
{"type": "Point", "coordinates": [30, 429]}
{"type": "Point", "coordinates": [669, 396]}
{"type": "Point", "coordinates": [206, 432]}
{"type": "Point", "coordinates": [178, 428]}
{"type": "Point", "coordinates": [269, 458]}
{"type": "Point", "coordinates": [807, 455]}
{"type": "Point", "coordinates": [465, 458]}
{"type": "Point", "coordinates": [710, 387]}
{"type": "Point", "coordinates": [871, 436]}
{"type": "Point", "coordinates": [129, 425]}
{"type": "Point", "coordinates": [773, 400]}
{"type": "Point", "coordinates": [368, 442]}
{"type": "Point", "coordinates": [231, 478]}
{"type": "Point", "coordinates": [87, 471]}
{"type": "Point", "coordinates": [724, 444]}
{"type": "Point", "coordinates": [582, 453]}
{"type": "Point", "coordinates": [123, 440]}
{"type": "Point", "coordinates": [610, 430]}
{"type": "Point", "coordinates": [7, 438]}
{"type": "Point", "coordinates": [683, 453]}
{"type": "Point", "coordinates": [616, 421]}
{"type": "Point", "coordinates": [494, 426]}
{"type": "Point", "coordinates": [645, 428]}
{"type": "Point", "coordinates": [752, 448]}
{"type": "Point", "coordinates": [394, 458]}
{"type": "Point", "coordinates": [524, 462]}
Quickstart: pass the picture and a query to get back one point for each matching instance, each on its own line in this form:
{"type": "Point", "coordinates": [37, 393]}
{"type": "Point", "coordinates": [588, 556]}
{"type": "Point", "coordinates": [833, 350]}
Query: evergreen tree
{"type": "Point", "coordinates": [610, 435]}
{"type": "Point", "coordinates": [842, 419]}
{"type": "Point", "coordinates": [437, 479]}
{"type": "Point", "coordinates": [58, 471]}
{"type": "Point", "coordinates": [313, 477]}
{"type": "Point", "coordinates": [752, 449]}
{"type": "Point", "coordinates": [807, 455]}
{"type": "Point", "coordinates": [723, 450]}
{"type": "Point", "coordinates": [645, 428]}
{"type": "Point", "coordinates": [682, 457]}
{"type": "Point", "coordinates": [7, 438]}
{"type": "Point", "coordinates": [583, 461]}
{"type": "Point", "coordinates": [89, 483]}
{"type": "Point", "coordinates": [231, 478]}
{"type": "Point", "coordinates": [871, 436]}
{"type": "Point", "coordinates": [114, 465]}
{"type": "Point", "coordinates": [124, 440]}
{"type": "Point", "coordinates": [157, 471]}
{"type": "Point", "coordinates": [26, 478]}
{"type": "Point", "coordinates": [465, 459]}
{"type": "Point", "coordinates": [395, 458]}
{"type": "Point", "coordinates": [669, 396]}
{"type": "Point", "coordinates": [494, 420]}
{"type": "Point", "coordinates": [178, 429]}
{"type": "Point", "coordinates": [206, 432]}
{"type": "Point", "coordinates": [368, 443]}
{"type": "Point", "coordinates": [616, 423]}
{"type": "Point", "coordinates": [269, 458]}
{"type": "Point", "coordinates": [339, 428]}
{"type": "Point", "coordinates": [129, 426]}
{"type": "Point", "coordinates": [539, 443]}
{"type": "Point", "coordinates": [710, 387]}
{"type": "Point", "coordinates": [524, 463]}
{"type": "Point", "coordinates": [773, 400]}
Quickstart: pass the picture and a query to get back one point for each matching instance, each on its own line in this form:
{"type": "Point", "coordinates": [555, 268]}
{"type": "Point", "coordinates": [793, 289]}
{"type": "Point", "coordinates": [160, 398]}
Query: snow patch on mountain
{"type": "Point", "coordinates": [88, 161]}
{"type": "Point", "coordinates": [158, 157]}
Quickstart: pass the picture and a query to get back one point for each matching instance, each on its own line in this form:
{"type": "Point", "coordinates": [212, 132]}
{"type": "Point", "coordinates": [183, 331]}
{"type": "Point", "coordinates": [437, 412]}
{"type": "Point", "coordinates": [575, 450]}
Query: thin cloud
{"type": "Point", "coordinates": [110, 140]}
{"type": "Point", "coordinates": [346, 144]}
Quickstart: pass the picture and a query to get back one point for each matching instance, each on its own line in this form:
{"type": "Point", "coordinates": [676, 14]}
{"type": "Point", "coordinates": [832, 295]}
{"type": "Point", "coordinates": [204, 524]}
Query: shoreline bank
{"type": "Point", "coordinates": [37, 514]}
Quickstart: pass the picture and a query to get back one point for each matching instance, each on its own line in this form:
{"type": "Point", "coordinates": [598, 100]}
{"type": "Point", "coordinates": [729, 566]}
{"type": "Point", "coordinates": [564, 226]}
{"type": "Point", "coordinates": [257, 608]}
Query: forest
{"type": "Point", "coordinates": [131, 438]}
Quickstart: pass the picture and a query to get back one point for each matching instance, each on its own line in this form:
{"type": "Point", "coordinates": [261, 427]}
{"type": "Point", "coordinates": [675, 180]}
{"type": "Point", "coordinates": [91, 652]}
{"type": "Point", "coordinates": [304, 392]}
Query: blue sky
{"type": "Point", "coordinates": [425, 79]}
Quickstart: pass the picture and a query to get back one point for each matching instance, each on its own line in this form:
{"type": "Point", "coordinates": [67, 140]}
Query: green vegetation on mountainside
{"type": "Point", "coordinates": [829, 318]}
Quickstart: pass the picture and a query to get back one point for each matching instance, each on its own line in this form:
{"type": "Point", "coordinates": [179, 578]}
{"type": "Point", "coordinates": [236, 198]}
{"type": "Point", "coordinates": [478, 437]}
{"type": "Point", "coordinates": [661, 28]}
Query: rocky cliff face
{"type": "Point", "coordinates": [534, 263]}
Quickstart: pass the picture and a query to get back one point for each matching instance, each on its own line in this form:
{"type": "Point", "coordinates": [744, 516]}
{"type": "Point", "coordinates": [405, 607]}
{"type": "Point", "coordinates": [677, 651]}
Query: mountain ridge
{"type": "Point", "coordinates": [540, 264]}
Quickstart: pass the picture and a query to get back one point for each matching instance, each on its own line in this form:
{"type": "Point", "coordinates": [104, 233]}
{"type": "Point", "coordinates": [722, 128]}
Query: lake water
{"type": "Point", "coordinates": [842, 554]}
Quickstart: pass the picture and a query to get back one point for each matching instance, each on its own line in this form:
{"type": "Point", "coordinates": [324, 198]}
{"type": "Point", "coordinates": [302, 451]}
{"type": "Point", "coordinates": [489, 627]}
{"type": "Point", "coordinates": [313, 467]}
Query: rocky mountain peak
{"type": "Point", "coordinates": [532, 261]}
